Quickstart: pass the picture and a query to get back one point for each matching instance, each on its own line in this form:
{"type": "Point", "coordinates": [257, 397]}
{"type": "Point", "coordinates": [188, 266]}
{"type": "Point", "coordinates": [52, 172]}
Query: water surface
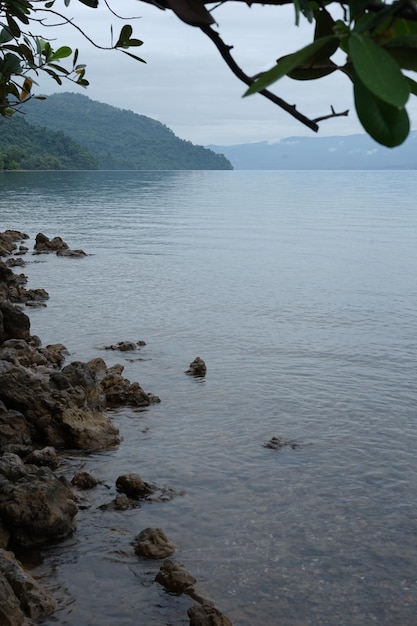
{"type": "Point", "coordinates": [298, 289]}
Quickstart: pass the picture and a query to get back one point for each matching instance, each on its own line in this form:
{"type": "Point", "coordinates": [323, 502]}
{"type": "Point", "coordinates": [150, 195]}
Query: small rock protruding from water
{"type": "Point", "coordinates": [197, 368]}
{"type": "Point", "coordinates": [152, 543]}
{"type": "Point", "coordinates": [133, 486]}
{"type": "Point", "coordinates": [174, 577]}
{"type": "Point", "coordinates": [84, 480]}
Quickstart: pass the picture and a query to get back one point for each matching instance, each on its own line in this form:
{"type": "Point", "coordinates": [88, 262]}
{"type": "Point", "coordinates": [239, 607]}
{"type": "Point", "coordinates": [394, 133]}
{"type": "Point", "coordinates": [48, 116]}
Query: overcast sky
{"type": "Point", "coordinates": [186, 85]}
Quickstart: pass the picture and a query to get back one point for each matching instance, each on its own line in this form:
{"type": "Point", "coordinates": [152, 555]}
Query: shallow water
{"type": "Point", "coordinates": [298, 289]}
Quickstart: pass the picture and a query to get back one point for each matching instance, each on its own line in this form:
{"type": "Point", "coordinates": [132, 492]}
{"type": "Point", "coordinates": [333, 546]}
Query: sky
{"type": "Point", "coordinates": [187, 86]}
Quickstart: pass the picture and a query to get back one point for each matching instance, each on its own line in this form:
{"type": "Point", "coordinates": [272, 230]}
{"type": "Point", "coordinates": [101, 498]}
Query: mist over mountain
{"type": "Point", "coordinates": [351, 152]}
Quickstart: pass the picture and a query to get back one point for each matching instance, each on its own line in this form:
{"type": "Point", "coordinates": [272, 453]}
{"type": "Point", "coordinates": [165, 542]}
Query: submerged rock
{"type": "Point", "coordinates": [152, 543]}
{"type": "Point", "coordinates": [207, 615]}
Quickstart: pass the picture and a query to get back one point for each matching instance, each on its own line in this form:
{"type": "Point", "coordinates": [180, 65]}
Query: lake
{"type": "Point", "coordinates": [298, 289]}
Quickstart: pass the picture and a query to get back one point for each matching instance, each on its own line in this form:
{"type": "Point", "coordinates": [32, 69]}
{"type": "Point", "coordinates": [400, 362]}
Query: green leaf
{"type": "Point", "coordinates": [13, 27]}
{"type": "Point", "coordinates": [312, 72]}
{"type": "Point", "coordinates": [324, 24]}
{"type": "Point", "coordinates": [90, 3]}
{"type": "Point", "coordinates": [378, 71]}
{"type": "Point", "coordinates": [133, 56]}
{"type": "Point", "coordinates": [62, 53]}
{"type": "Point", "coordinates": [356, 8]}
{"type": "Point", "coordinates": [303, 6]}
{"type": "Point", "coordinates": [388, 125]}
{"type": "Point", "coordinates": [404, 27]}
{"type": "Point", "coordinates": [11, 64]}
{"type": "Point", "coordinates": [5, 36]}
{"type": "Point", "coordinates": [413, 85]}
{"type": "Point", "coordinates": [74, 62]}
{"type": "Point", "coordinates": [404, 51]}
{"type": "Point", "coordinates": [288, 63]}
{"type": "Point", "coordinates": [124, 36]}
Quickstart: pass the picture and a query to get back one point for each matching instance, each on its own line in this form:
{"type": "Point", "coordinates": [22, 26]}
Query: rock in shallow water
{"type": "Point", "coordinates": [35, 505]}
{"type": "Point", "coordinates": [152, 543]}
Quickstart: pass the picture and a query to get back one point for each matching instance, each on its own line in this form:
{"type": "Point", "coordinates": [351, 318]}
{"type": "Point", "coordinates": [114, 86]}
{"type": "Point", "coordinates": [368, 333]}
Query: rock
{"type": "Point", "coordinates": [10, 612]}
{"type": "Point", "coordinates": [75, 254]}
{"type": "Point", "coordinates": [133, 486]}
{"type": "Point", "coordinates": [174, 577]}
{"type": "Point", "coordinates": [152, 543]}
{"type": "Point", "coordinates": [44, 245]}
{"type": "Point", "coordinates": [197, 368]}
{"type": "Point", "coordinates": [207, 615]}
{"type": "Point", "coordinates": [15, 431]}
{"type": "Point", "coordinates": [64, 410]}
{"type": "Point", "coordinates": [35, 506]}
{"type": "Point", "coordinates": [84, 480]}
{"type": "Point", "coordinates": [14, 324]}
{"type": "Point", "coordinates": [276, 443]}
{"type": "Point", "coordinates": [45, 457]}
{"type": "Point", "coordinates": [33, 599]}
{"type": "Point", "coordinates": [120, 391]}
{"type": "Point", "coordinates": [15, 262]}
{"type": "Point", "coordinates": [125, 346]}
{"type": "Point", "coordinates": [121, 502]}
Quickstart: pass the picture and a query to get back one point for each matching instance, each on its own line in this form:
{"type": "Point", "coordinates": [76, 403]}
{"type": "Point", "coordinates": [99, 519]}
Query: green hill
{"type": "Point", "coordinates": [120, 139]}
{"type": "Point", "coordinates": [27, 147]}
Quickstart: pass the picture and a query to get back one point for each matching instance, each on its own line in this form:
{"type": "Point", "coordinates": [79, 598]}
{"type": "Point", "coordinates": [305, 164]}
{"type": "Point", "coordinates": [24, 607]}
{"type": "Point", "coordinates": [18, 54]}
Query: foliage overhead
{"type": "Point", "coordinates": [24, 55]}
{"type": "Point", "coordinates": [373, 43]}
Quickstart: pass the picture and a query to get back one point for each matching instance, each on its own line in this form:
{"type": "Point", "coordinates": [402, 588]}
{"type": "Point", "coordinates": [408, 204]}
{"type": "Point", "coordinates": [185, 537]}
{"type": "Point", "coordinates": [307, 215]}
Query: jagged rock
{"type": "Point", "coordinates": [35, 505]}
{"type": "Point", "coordinates": [84, 480]}
{"type": "Point", "coordinates": [44, 245]}
{"type": "Point", "coordinates": [133, 486]}
{"type": "Point", "coordinates": [4, 539]}
{"type": "Point", "coordinates": [174, 577]}
{"type": "Point", "coordinates": [10, 612]}
{"type": "Point", "coordinates": [14, 324]}
{"type": "Point", "coordinates": [15, 431]}
{"type": "Point", "coordinates": [197, 368]}
{"type": "Point", "coordinates": [32, 598]}
{"type": "Point", "coordinates": [207, 615]}
{"type": "Point", "coordinates": [152, 543]}
{"type": "Point", "coordinates": [120, 391]}
{"type": "Point", "coordinates": [65, 409]}
{"type": "Point", "coordinates": [15, 262]}
{"type": "Point", "coordinates": [46, 456]}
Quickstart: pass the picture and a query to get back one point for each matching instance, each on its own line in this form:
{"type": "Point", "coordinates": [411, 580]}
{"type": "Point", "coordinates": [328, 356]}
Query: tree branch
{"type": "Point", "coordinates": [224, 51]}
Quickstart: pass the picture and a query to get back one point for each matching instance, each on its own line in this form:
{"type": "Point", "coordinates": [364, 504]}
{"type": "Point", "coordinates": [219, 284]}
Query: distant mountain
{"type": "Point", "coordinates": [28, 147]}
{"type": "Point", "coordinates": [120, 139]}
{"type": "Point", "coordinates": [352, 152]}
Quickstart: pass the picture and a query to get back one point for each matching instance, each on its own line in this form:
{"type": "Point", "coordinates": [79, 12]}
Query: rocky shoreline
{"type": "Point", "coordinates": [47, 407]}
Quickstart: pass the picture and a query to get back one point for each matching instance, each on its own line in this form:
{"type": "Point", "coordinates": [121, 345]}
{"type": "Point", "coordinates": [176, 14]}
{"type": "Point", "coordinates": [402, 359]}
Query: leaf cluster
{"type": "Point", "coordinates": [379, 43]}
{"type": "Point", "coordinates": [23, 56]}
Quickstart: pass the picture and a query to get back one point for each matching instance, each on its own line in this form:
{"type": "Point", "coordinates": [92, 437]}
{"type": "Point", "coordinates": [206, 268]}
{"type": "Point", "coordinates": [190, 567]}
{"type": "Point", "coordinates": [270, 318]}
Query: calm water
{"type": "Point", "coordinates": [299, 291]}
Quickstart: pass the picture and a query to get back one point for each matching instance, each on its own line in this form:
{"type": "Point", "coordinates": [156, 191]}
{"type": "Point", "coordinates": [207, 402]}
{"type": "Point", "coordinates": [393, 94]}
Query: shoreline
{"type": "Point", "coordinates": [48, 407]}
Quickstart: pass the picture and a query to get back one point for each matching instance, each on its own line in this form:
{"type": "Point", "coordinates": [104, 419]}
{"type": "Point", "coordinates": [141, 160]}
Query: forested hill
{"type": "Point", "coordinates": [120, 139]}
{"type": "Point", "coordinates": [27, 147]}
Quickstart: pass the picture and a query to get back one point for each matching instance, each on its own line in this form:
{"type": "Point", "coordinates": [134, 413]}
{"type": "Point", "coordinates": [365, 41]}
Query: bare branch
{"type": "Point", "coordinates": [237, 71]}
{"type": "Point", "coordinates": [332, 114]}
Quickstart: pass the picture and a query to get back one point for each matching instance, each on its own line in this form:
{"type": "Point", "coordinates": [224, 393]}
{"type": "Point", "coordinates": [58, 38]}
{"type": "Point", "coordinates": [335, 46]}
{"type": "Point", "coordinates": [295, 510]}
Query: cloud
{"type": "Point", "coordinates": [186, 85]}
